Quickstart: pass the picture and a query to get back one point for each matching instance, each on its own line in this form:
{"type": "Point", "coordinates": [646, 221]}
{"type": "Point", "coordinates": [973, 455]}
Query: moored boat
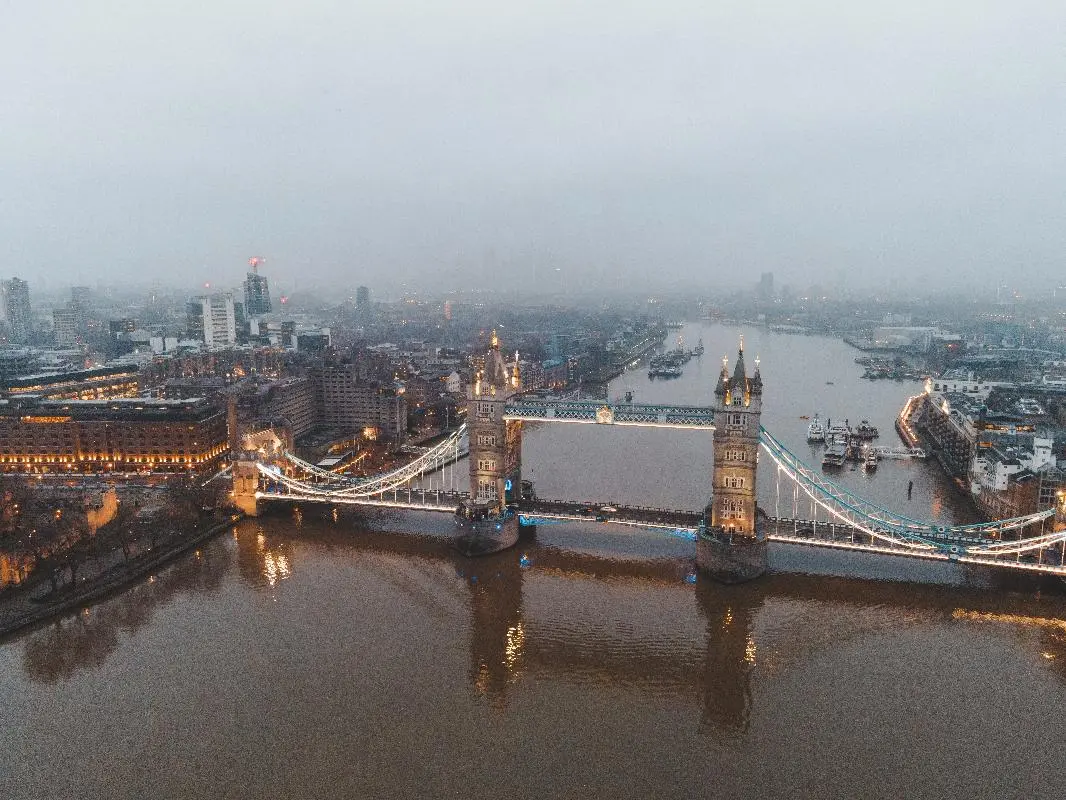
{"type": "Point", "coordinates": [836, 433]}
{"type": "Point", "coordinates": [815, 431]}
{"type": "Point", "coordinates": [865, 430]}
{"type": "Point", "coordinates": [835, 455]}
{"type": "Point", "coordinates": [870, 461]}
{"type": "Point", "coordinates": [665, 371]}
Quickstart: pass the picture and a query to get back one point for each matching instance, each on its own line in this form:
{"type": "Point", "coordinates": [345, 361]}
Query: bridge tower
{"type": "Point", "coordinates": [732, 544]}
{"type": "Point", "coordinates": [495, 443]}
{"type": "Point", "coordinates": [245, 476]}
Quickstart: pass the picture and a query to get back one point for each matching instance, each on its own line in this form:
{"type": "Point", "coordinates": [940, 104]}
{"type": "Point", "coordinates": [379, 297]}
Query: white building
{"type": "Point", "coordinates": [992, 468]}
{"type": "Point", "coordinates": [214, 320]}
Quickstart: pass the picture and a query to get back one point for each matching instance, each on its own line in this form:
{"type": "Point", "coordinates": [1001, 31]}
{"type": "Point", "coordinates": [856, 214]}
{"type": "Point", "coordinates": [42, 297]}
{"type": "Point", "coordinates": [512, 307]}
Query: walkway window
{"type": "Point", "coordinates": [486, 464]}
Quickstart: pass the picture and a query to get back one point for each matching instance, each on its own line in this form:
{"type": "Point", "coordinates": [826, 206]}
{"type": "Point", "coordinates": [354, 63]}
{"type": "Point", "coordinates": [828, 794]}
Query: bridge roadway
{"type": "Point", "coordinates": [638, 516]}
{"type": "Point", "coordinates": [407, 498]}
{"type": "Point", "coordinates": [811, 533]}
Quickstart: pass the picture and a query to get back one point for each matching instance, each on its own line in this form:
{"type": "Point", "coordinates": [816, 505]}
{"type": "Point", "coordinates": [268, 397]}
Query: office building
{"type": "Point", "coordinates": [65, 326]}
{"type": "Point", "coordinates": [16, 307]}
{"type": "Point", "coordinates": [212, 320]}
{"type": "Point", "coordinates": [362, 300]}
{"type": "Point", "coordinates": [348, 404]}
{"type": "Point", "coordinates": [256, 295]}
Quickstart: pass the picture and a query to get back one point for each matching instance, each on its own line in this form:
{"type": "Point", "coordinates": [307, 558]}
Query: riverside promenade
{"type": "Point", "coordinates": [31, 606]}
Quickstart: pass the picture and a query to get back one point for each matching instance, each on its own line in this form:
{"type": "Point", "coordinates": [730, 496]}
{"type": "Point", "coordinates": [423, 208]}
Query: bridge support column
{"type": "Point", "coordinates": [245, 476]}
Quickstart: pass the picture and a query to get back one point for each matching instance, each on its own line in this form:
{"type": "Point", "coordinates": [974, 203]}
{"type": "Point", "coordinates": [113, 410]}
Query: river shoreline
{"type": "Point", "coordinates": [109, 583]}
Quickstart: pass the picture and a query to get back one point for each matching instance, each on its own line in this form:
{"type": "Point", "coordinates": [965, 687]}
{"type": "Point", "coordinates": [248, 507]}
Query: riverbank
{"type": "Point", "coordinates": [24, 610]}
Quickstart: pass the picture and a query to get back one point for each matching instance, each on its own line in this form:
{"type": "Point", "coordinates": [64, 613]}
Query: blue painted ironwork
{"type": "Point", "coordinates": [603, 413]}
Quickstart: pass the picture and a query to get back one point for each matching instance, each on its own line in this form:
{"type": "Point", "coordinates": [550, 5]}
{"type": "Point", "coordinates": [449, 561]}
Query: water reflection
{"type": "Point", "coordinates": [609, 624]}
{"type": "Point", "coordinates": [263, 560]}
{"type": "Point", "coordinates": [731, 655]}
{"type": "Point", "coordinates": [83, 641]}
{"type": "Point", "coordinates": [497, 635]}
{"type": "Point", "coordinates": [599, 619]}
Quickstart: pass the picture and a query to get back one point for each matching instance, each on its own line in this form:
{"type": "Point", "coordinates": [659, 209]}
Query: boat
{"type": "Point", "coordinates": [815, 431]}
{"type": "Point", "coordinates": [665, 371]}
{"type": "Point", "coordinates": [865, 430]}
{"type": "Point", "coordinates": [836, 433]}
{"type": "Point", "coordinates": [900, 452]}
{"type": "Point", "coordinates": [835, 456]}
{"type": "Point", "coordinates": [870, 461]}
{"type": "Point", "coordinates": [698, 350]}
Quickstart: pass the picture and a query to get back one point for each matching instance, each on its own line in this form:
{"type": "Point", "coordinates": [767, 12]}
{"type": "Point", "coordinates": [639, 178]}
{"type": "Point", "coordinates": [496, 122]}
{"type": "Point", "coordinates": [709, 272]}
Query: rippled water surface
{"type": "Point", "coordinates": [320, 660]}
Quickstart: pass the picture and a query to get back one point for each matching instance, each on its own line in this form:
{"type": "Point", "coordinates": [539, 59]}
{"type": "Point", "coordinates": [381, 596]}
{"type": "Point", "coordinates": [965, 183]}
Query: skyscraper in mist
{"type": "Point", "coordinates": [16, 305]}
{"type": "Point", "coordinates": [362, 299]}
{"type": "Point", "coordinates": [256, 295]}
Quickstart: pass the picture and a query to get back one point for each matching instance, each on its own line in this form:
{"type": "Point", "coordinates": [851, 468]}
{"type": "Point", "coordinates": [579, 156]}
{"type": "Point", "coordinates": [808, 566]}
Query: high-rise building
{"type": "Point", "coordinates": [256, 295]}
{"type": "Point", "coordinates": [65, 326]}
{"type": "Point", "coordinates": [362, 299]}
{"type": "Point", "coordinates": [16, 303]}
{"type": "Point", "coordinates": [212, 320]}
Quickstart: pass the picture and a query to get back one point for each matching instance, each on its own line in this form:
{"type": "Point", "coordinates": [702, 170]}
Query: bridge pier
{"type": "Point", "coordinates": [245, 477]}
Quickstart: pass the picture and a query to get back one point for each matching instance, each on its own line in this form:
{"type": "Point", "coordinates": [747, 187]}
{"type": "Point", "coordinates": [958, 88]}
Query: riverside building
{"type": "Point", "coordinates": [103, 436]}
{"type": "Point", "coordinates": [86, 384]}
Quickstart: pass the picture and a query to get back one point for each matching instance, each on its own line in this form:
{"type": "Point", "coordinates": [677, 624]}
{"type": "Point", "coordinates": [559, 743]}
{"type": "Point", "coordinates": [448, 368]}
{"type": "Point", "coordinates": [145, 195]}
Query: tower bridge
{"type": "Point", "coordinates": [731, 533]}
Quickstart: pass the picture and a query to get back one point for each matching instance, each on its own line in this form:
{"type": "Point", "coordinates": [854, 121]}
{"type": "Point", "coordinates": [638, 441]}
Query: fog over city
{"type": "Point", "coordinates": [625, 143]}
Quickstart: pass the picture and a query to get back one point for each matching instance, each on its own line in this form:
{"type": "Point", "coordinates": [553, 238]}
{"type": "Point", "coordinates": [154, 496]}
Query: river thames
{"type": "Point", "coordinates": [316, 659]}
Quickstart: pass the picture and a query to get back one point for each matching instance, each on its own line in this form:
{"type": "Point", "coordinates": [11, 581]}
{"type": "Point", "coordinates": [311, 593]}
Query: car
{"type": "Point", "coordinates": [608, 509]}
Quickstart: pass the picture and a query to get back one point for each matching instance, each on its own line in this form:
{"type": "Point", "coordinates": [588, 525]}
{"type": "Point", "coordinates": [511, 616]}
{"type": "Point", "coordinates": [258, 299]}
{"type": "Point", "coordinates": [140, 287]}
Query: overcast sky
{"type": "Point", "coordinates": [864, 143]}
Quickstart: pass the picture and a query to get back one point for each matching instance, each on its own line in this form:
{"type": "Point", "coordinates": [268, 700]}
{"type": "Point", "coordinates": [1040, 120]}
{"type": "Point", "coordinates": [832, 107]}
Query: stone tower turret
{"type": "Point", "coordinates": [495, 443]}
{"type": "Point", "coordinates": [731, 546]}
